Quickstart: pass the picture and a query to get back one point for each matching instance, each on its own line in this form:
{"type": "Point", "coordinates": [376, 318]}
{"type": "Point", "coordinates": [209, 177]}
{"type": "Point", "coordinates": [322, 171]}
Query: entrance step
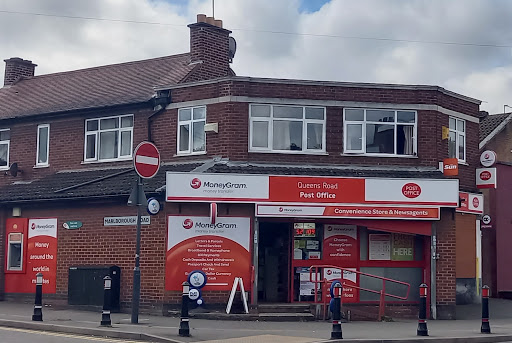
{"type": "Point", "coordinates": [284, 308]}
{"type": "Point", "coordinates": [284, 317]}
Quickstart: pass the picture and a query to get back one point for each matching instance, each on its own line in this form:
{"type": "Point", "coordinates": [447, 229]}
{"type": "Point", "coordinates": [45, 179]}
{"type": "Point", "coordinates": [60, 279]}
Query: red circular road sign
{"type": "Point", "coordinates": [146, 160]}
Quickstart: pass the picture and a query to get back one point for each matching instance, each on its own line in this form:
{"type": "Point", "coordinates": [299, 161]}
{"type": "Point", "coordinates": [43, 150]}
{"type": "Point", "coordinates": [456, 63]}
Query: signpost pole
{"type": "Point", "coordinates": [136, 270]}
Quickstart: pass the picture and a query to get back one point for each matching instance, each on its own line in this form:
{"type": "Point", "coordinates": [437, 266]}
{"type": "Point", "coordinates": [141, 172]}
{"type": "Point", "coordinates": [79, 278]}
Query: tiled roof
{"type": "Point", "coordinates": [69, 185]}
{"type": "Point", "coordinates": [490, 122]}
{"type": "Point", "coordinates": [109, 85]}
{"type": "Point", "coordinates": [325, 170]}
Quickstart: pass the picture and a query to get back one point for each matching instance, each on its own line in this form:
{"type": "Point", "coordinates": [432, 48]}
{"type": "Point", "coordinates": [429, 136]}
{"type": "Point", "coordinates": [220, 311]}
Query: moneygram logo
{"type": "Point", "coordinates": [411, 190]}
{"type": "Point", "coordinates": [329, 272]}
{"type": "Point", "coordinates": [195, 183]}
{"type": "Point", "coordinates": [33, 227]}
{"type": "Point", "coordinates": [281, 209]}
{"type": "Point", "coordinates": [188, 223]}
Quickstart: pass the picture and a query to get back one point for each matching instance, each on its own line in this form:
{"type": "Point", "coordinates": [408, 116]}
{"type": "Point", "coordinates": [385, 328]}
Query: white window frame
{"type": "Point", "coordinates": [270, 134]}
{"type": "Point", "coordinates": [39, 127]}
{"type": "Point", "coordinates": [363, 122]}
{"type": "Point", "coordinates": [457, 137]}
{"type": "Point", "coordinates": [8, 142]}
{"type": "Point", "coordinates": [22, 252]}
{"type": "Point", "coordinates": [96, 134]}
{"type": "Point", "coordinates": [190, 124]}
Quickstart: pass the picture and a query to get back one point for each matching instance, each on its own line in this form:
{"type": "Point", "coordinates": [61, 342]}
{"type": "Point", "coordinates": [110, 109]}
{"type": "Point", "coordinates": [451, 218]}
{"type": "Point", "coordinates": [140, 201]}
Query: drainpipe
{"type": "Point", "coordinates": [433, 271]}
{"type": "Point", "coordinates": [161, 99]}
{"type": "Point", "coordinates": [255, 262]}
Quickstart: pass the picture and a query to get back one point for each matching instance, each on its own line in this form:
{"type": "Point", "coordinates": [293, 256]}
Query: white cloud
{"type": "Point", "coordinates": [59, 44]}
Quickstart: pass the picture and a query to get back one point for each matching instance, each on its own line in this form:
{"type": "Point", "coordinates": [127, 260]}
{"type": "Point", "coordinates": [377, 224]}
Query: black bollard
{"type": "Point", "coordinates": [38, 305]}
{"type": "Point", "coordinates": [105, 314]}
{"type": "Point", "coordinates": [184, 330]}
{"type": "Point", "coordinates": [422, 317]}
{"type": "Point", "coordinates": [336, 332]}
{"type": "Point", "coordinates": [485, 328]}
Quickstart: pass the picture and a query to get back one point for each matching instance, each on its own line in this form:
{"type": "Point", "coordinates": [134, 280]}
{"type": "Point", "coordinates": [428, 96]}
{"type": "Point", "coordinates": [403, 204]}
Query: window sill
{"type": "Point", "coordinates": [464, 163]}
{"type": "Point", "coordinates": [378, 155]}
{"type": "Point", "coordinates": [291, 152]}
{"type": "Point", "coordinates": [107, 161]}
{"type": "Point", "coordinates": [41, 166]}
{"type": "Point", "coordinates": [190, 154]}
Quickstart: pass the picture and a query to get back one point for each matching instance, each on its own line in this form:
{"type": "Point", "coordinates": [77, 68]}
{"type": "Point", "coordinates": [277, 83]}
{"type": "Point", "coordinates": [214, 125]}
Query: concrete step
{"type": "Point", "coordinates": [284, 317]}
{"type": "Point", "coordinates": [283, 308]}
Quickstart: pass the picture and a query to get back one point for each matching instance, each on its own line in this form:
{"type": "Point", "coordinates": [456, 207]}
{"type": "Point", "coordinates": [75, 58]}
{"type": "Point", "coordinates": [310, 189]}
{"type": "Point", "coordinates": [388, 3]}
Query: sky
{"type": "Point", "coordinates": [462, 45]}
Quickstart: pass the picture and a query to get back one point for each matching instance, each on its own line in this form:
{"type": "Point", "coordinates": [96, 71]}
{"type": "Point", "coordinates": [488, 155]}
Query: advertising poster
{"type": "Point", "coordinates": [379, 247]}
{"type": "Point", "coordinates": [41, 256]}
{"type": "Point", "coordinates": [402, 247]}
{"type": "Point", "coordinates": [340, 244]}
{"type": "Point", "coordinates": [220, 250]}
{"type": "Point", "coordinates": [350, 293]}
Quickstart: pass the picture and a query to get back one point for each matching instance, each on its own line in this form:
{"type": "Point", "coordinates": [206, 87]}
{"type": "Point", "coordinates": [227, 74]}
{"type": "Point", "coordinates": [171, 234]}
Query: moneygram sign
{"type": "Point", "coordinates": [242, 188]}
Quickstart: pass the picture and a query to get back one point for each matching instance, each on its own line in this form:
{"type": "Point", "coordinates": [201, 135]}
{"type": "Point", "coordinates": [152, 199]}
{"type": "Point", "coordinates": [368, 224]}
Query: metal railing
{"type": "Point", "coordinates": [315, 270]}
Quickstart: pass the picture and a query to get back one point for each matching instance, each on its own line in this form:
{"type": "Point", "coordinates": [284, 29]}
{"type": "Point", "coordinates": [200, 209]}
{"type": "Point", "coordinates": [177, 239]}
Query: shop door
{"type": "Point", "coordinates": [274, 262]}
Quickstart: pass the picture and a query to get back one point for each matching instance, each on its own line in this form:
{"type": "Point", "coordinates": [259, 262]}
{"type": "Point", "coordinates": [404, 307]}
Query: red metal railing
{"type": "Point", "coordinates": [314, 270]}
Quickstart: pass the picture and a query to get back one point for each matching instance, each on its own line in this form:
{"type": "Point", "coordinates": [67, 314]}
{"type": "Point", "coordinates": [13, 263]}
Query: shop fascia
{"type": "Point", "coordinates": [326, 197]}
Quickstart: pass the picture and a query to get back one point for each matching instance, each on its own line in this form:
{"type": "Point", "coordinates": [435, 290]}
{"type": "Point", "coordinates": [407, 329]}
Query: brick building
{"type": "Point", "coordinates": [496, 135]}
{"type": "Point", "coordinates": [260, 178]}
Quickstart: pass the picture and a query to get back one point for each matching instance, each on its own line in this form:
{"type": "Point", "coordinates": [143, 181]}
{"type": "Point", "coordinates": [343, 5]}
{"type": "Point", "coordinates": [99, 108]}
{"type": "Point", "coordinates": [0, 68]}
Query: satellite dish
{"type": "Point", "coordinates": [13, 169]}
{"type": "Point", "coordinates": [232, 48]}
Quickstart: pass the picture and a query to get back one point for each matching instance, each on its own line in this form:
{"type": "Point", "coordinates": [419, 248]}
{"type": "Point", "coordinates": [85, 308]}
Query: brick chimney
{"type": "Point", "coordinates": [209, 45]}
{"type": "Point", "coordinates": [16, 67]}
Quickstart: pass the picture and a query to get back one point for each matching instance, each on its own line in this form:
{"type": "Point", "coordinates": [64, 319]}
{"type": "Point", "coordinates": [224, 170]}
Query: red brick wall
{"type": "Point", "coordinates": [66, 143]}
{"type": "Point", "coordinates": [446, 264]}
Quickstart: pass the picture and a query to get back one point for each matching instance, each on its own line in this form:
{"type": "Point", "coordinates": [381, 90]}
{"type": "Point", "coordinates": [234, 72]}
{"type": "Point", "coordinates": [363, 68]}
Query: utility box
{"type": "Point", "coordinates": [85, 285]}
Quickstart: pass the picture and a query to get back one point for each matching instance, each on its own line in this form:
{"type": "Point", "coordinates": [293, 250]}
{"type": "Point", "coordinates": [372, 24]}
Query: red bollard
{"type": "Point", "coordinates": [422, 317]}
{"type": "Point", "coordinates": [485, 328]}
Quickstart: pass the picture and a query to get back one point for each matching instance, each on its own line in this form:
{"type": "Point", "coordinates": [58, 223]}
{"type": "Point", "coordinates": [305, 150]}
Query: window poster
{"type": "Point", "coordinates": [379, 247]}
{"type": "Point", "coordinates": [220, 250]}
{"type": "Point", "coordinates": [340, 243]}
{"type": "Point", "coordinates": [349, 280]}
{"type": "Point", "coordinates": [402, 247]}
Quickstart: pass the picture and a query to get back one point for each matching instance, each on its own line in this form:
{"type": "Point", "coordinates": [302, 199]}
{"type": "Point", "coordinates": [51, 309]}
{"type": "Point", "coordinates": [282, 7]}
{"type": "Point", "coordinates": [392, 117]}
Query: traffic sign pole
{"type": "Point", "coordinates": [146, 161]}
{"type": "Point", "coordinates": [136, 270]}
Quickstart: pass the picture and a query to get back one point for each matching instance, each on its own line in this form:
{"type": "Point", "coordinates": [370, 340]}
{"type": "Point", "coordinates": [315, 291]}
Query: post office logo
{"type": "Point", "coordinates": [188, 223]}
{"type": "Point", "coordinates": [411, 190]}
{"type": "Point", "coordinates": [485, 175]}
{"type": "Point", "coordinates": [476, 202]}
{"type": "Point", "coordinates": [195, 183]}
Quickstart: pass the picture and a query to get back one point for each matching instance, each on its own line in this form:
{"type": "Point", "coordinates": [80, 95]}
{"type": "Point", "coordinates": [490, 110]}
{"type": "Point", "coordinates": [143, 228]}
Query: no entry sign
{"type": "Point", "coordinates": [146, 160]}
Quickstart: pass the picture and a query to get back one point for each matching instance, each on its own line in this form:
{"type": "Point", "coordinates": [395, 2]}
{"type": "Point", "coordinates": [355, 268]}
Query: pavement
{"type": "Point", "coordinates": [155, 328]}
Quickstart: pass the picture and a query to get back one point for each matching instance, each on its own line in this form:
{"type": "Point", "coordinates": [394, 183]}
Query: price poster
{"type": "Point", "coordinates": [340, 244]}
{"type": "Point", "coordinates": [379, 247]}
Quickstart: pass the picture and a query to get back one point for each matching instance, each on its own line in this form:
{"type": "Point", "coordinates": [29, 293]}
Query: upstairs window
{"type": "Point", "coordinates": [43, 145]}
{"type": "Point", "coordinates": [5, 139]}
{"type": "Point", "coordinates": [109, 138]}
{"type": "Point", "coordinates": [457, 139]}
{"type": "Point", "coordinates": [287, 129]}
{"type": "Point", "coordinates": [379, 132]}
{"type": "Point", "coordinates": [191, 135]}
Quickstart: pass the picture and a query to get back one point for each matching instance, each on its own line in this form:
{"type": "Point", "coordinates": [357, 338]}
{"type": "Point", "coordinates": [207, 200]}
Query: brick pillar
{"type": "Point", "coordinates": [445, 274]}
{"type": "Point", "coordinates": [16, 67]}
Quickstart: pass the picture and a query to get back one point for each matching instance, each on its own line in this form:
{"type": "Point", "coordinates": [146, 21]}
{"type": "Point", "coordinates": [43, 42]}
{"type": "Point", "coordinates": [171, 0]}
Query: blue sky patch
{"type": "Point", "coordinates": [311, 6]}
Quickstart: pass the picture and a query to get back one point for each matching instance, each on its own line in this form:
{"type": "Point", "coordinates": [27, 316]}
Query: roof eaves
{"type": "Point", "coordinates": [494, 132]}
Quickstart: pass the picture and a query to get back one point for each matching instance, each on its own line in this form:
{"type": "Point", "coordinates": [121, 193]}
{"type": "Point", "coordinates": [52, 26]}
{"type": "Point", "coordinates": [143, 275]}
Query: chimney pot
{"type": "Point", "coordinates": [218, 23]}
{"type": "Point", "coordinates": [210, 20]}
{"type": "Point", "coordinates": [201, 18]}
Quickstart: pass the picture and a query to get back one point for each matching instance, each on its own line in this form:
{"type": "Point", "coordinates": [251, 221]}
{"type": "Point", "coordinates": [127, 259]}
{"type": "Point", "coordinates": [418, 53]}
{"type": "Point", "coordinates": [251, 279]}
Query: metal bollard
{"type": "Point", "coordinates": [422, 317]}
{"type": "Point", "coordinates": [105, 314]}
{"type": "Point", "coordinates": [485, 328]}
{"type": "Point", "coordinates": [38, 305]}
{"type": "Point", "coordinates": [336, 332]}
{"type": "Point", "coordinates": [184, 330]}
